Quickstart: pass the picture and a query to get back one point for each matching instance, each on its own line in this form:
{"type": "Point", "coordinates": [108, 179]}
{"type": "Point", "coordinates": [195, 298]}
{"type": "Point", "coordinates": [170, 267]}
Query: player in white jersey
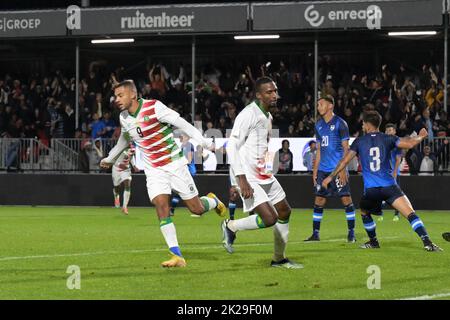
{"type": "Point", "coordinates": [121, 175]}
{"type": "Point", "coordinates": [251, 172]}
{"type": "Point", "coordinates": [148, 123]}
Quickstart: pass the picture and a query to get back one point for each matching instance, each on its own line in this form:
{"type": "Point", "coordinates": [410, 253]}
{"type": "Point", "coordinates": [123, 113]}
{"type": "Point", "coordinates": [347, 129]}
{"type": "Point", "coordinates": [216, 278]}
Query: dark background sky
{"type": "Point", "coordinates": [45, 4]}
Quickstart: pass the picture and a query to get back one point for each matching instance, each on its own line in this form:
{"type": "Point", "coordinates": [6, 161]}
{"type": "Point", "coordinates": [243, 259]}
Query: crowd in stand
{"type": "Point", "coordinates": [41, 106]}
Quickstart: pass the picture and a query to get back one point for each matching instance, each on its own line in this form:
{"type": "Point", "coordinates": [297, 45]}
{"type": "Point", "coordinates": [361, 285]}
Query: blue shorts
{"type": "Point", "coordinates": [372, 199]}
{"type": "Point", "coordinates": [335, 189]}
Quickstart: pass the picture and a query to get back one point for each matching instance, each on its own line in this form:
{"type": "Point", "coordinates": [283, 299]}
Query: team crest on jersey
{"type": "Point", "coordinates": [332, 127]}
{"type": "Point", "coordinates": [146, 118]}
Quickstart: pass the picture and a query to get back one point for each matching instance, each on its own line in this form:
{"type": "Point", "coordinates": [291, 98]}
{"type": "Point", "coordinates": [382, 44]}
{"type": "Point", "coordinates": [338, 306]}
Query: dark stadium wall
{"type": "Point", "coordinates": [426, 193]}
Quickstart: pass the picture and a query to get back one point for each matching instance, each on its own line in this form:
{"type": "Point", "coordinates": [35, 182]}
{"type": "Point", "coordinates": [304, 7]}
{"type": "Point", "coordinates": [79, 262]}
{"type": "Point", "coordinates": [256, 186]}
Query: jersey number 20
{"type": "Point", "coordinates": [375, 162]}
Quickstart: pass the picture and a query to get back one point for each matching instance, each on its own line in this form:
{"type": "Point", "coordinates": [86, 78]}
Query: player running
{"type": "Point", "coordinates": [251, 173]}
{"type": "Point", "coordinates": [332, 135]}
{"type": "Point", "coordinates": [148, 123]}
{"type": "Point", "coordinates": [121, 175]}
{"type": "Point", "coordinates": [374, 151]}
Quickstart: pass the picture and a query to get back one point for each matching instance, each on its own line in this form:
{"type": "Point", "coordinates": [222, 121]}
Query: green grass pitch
{"type": "Point", "coordinates": [119, 257]}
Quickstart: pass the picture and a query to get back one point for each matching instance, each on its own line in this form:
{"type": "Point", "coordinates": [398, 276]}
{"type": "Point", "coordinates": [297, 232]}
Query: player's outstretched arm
{"type": "Point", "coordinates": [411, 142]}
{"type": "Point", "coordinates": [167, 115]}
{"type": "Point", "coordinates": [192, 132]}
{"type": "Point", "coordinates": [115, 152]}
{"type": "Point", "coordinates": [341, 166]}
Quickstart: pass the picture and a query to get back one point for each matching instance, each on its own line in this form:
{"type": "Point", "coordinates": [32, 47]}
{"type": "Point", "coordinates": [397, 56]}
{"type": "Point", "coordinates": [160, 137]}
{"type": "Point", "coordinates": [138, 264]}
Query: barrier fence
{"type": "Point", "coordinates": [84, 155]}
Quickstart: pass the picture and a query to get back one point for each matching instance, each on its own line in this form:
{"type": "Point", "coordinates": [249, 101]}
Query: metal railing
{"type": "Point", "coordinates": [84, 155]}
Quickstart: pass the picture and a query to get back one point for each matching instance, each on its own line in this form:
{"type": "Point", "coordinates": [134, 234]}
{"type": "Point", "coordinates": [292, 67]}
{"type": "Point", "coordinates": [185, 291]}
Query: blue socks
{"type": "Point", "coordinates": [418, 226]}
{"type": "Point", "coordinates": [370, 226]}
{"type": "Point", "coordinates": [231, 208]}
{"type": "Point", "coordinates": [317, 218]}
{"type": "Point", "coordinates": [350, 214]}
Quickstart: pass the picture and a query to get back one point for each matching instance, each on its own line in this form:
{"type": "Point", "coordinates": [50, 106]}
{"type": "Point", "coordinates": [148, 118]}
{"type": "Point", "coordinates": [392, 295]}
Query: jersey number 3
{"type": "Point", "coordinates": [375, 162]}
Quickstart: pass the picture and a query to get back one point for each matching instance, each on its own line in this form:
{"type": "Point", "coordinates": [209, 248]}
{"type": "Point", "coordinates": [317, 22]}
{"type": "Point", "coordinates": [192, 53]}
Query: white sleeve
{"type": "Point", "coordinates": [120, 146]}
{"type": "Point", "coordinates": [167, 115]}
{"type": "Point", "coordinates": [239, 133]}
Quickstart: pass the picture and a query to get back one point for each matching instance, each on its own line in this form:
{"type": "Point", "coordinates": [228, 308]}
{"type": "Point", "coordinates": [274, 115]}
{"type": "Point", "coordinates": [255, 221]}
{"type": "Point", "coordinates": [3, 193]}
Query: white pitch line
{"type": "Point", "coordinates": [428, 297]}
{"type": "Point", "coordinates": [44, 256]}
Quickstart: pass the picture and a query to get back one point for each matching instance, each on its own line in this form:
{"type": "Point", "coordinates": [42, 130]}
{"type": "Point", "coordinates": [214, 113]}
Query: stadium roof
{"type": "Point", "coordinates": [53, 4]}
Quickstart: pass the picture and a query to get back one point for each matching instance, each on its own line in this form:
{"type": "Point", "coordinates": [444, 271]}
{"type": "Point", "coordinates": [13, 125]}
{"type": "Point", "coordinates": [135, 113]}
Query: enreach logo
{"type": "Point", "coordinates": [313, 16]}
{"type": "Point", "coordinates": [372, 15]}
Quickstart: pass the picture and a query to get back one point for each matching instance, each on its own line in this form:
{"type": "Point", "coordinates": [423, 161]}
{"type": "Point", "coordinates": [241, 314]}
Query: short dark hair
{"type": "Point", "coordinates": [328, 98]}
{"type": "Point", "coordinates": [285, 140]}
{"type": "Point", "coordinates": [372, 117]}
{"type": "Point", "coordinates": [311, 142]}
{"type": "Point", "coordinates": [391, 125]}
{"type": "Point", "coordinates": [260, 81]}
{"type": "Point", "coordinates": [127, 84]}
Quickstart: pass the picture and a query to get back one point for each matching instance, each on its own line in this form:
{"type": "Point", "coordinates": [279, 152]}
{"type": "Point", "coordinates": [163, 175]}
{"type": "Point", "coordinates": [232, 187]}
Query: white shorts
{"type": "Point", "coordinates": [119, 176]}
{"type": "Point", "coordinates": [272, 192]}
{"type": "Point", "coordinates": [163, 180]}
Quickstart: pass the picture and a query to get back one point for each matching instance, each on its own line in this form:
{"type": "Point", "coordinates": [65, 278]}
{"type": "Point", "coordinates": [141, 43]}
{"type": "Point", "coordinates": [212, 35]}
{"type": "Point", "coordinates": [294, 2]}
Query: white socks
{"type": "Point", "coordinates": [280, 234]}
{"type": "Point", "coordinates": [247, 223]}
{"type": "Point", "coordinates": [169, 232]}
{"type": "Point", "coordinates": [126, 198]}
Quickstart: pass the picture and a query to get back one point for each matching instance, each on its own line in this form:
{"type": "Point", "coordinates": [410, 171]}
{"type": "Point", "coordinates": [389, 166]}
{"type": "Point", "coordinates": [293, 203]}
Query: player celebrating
{"type": "Point", "coordinates": [374, 150]}
{"type": "Point", "coordinates": [251, 173]}
{"type": "Point", "coordinates": [149, 124]}
{"type": "Point", "coordinates": [396, 159]}
{"type": "Point", "coordinates": [332, 135]}
{"type": "Point", "coordinates": [121, 174]}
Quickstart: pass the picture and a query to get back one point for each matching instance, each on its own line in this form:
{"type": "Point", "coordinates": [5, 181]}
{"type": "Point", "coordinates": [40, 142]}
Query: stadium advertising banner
{"type": "Point", "coordinates": [162, 19]}
{"type": "Point", "coordinates": [32, 24]}
{"type": "Point", "coordinates": [370, 15]}
{"type": "Point", "coordinates": [298, 146]}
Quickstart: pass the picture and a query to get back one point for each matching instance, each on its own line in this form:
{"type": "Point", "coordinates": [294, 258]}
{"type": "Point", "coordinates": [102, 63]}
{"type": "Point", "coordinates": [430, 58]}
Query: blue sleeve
{"type": "Point", "coordinates": [318, 137]}
{"type": "Point", "coordinates": [355, 146]}
{"type": "Point", "coordinates": [343, 131]}
{"type": "Point", "coordinates": [394, 141]}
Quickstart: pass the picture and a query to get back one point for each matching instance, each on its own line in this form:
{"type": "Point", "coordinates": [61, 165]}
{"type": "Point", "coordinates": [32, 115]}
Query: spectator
{"type": "Point", "coordinates": [98, 127]}
{"type": "Point", "coordinates": [285, 158]}
{"type": "Point", "coordinates": [69, 121]}
{"type": "Point", "coordinates": [110, 125]}
{"type": "Point", "coordinates": [424, 163]}
{"type": "Point", "coordinates": [310, 155]}
{"type": "Point", "coordinates": [157, 80]}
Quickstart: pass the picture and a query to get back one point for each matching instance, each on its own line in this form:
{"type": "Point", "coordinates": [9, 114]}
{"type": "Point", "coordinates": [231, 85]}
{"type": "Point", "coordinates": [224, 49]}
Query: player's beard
{"type": "Point", "coordinates": [272, 103]}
